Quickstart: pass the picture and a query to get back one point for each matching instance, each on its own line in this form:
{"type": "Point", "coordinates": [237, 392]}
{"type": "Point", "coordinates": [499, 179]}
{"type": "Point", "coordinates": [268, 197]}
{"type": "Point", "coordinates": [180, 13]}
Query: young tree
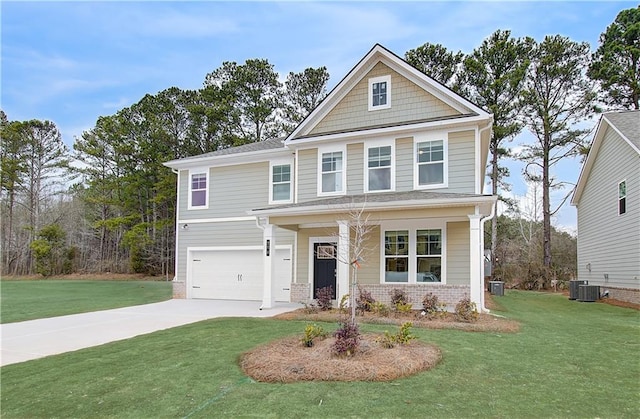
{"type": "Point", "coordinates": [556, 96]}
{"type": "Point", "coordinates": [492, 76]}
{"type": "Point", "coordinates": [616, 62]}
{"type": "Point", "coordinates": [303, 92]}
{"type": "Point", "coordinates": [437, 62]}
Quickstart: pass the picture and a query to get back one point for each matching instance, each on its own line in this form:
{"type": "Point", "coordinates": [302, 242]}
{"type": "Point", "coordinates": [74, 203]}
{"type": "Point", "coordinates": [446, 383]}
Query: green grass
{"type": "Point", "coordinates": [570, 359]}
{"type": "Point", "coordinates": [36, 299]}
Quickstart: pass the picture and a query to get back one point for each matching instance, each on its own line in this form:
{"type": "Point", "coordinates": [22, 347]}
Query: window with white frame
{"type": "Point", "coordinates": [379, 93]}
{"type": "Point", "coordinates": [622, 197]}
{"type": "Point", "coordinates": [280, 181]}
{"type": "Point", "coordinates": [331, 172]}
{"type": "Point", "coordinates": [379, 169]}
{"type": "Point", "coordinates": [430, 163]}
{"type": "Point", "coordinates": [396, 256]}
{"type": "Point", "coordinates": [413, 255]}
{"type": "Point", "coordinates": [198, 190]}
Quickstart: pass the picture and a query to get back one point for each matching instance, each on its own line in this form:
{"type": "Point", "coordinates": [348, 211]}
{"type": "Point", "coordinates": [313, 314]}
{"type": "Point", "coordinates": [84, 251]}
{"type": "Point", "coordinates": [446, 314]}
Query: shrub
{"type": "Point", "coordinates": [398, 296]}
{"type": "Point", "coordinates": [403, 308]}
{"type": "Point", "coordinates": [466, 310]}
{"type": "Point", "coordinates": [347, 339]}
{"type": "Point", "coordinates": [430, 303]}
{"type": "Point", "coordinates": [380, 309]}
{"type": "Point", "coordinates": [310, 308]}
{"type": "Point", "coordinates": [312, 331]}
{"type": "Point", "coordinates": [343, 303]}
{"type": "Point", "coordinates": [324, 298]}
{"type": "Point", "coordinates": [403, 336]}
{"type": "Point", "coordinates": [365, 301]}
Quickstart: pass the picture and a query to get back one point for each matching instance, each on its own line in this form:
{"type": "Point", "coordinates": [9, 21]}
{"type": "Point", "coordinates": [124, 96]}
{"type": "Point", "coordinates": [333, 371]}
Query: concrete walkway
{"type": "Point", "coordinates": [24, 341]}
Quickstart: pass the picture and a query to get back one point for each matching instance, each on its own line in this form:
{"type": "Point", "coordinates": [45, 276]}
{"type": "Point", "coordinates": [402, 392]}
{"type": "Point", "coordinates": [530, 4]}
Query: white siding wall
{"type": "Point", "coordinates": [609, 242]}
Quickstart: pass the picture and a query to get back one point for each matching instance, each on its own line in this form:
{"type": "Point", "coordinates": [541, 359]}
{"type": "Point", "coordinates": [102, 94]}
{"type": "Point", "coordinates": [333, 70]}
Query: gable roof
{"type": "Point", "coordinates": [626, 124]}
{"type": "Point", "coordinates": [380, 54]}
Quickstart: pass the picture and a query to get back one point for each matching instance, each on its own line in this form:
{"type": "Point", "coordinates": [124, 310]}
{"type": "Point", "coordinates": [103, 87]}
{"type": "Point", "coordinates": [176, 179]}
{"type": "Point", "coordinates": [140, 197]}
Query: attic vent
{"type": "Point", "coordinates": [588, 293]}
{"type": "Point", "coordinates": [573, 288]}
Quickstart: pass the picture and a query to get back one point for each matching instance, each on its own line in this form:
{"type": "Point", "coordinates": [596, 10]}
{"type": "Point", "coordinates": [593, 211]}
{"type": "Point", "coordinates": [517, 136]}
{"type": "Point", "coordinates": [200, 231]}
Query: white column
{"type": "Point", "coordinates": [343, 259]}
{"type": "Point", "coordinates": [475, 260]}
{"type": "Point", "coordinates": [268, 254]}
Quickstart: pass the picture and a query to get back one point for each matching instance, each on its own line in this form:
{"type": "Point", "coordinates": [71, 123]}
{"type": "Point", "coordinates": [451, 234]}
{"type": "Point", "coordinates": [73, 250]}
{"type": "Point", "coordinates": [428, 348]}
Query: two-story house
{"type": "Point", "coordinates": [607, 199]}
{"type": "Point", "coordinates": [270, 221]}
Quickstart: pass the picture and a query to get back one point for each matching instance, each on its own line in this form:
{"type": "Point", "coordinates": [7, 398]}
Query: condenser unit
{"type": "Point", "coordinates": [588, 293]}
{"type": "Point", "coordinates": [573, 288]}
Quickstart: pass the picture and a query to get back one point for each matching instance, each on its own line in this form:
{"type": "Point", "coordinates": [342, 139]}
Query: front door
{"type": "Point", "coordinates": [324, 267]}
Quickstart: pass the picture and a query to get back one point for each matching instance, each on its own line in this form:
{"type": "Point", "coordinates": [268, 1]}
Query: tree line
{"type": "Point", "coordinates": [119, 213]}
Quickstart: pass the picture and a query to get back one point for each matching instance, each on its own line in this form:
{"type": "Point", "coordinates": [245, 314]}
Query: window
{"type": "Point", "coordinates": [379, 169]}
{"type": "Point", "coordinates": [379, 93]}
{"type": "Point", "coordinates": [413, 255]}
{"type": "Point", "coordinates": [198, 196]}
{"type": "Point", "coordinates": [280, 183]}
{"type": "Point", "coordinates": [396, 256]}
{"type": "Point", "coordinates": [428, 255]}
{"type": "Point", "coordinates": [430, 164]}
{"type": "Point", "coordinates": [622, 197]}
{"type": "Point", "coordinates": [332, 173]}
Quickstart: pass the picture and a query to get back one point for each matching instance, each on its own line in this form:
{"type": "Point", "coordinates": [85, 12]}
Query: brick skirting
{"type": "Point", "coordinates": [300, 293]}
{"type": "Point", "coordinates": [629, 295]}
{"type": "Point", "coordinates": [179, 289]}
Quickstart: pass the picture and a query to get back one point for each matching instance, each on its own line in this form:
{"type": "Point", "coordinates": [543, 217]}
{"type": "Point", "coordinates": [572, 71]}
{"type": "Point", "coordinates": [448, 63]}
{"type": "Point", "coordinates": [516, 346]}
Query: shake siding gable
{"type": "Point", "coordinates": [408, 102]}
{"type": "Point", "coordinates": [608, 242]}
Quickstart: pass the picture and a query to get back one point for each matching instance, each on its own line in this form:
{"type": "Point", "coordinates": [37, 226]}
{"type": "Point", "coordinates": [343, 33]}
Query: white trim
{"type": "Point", "coordinates": [312, 241]}
{"type": "Point", "coordinates": [227, 159]}
{"type": "Point", "coordinates": [216, 220]}
{"type": "Point", "coordinates": [371, 82]}
{"type": "Point", "coordinates": [377, 144]}
{"type": "Point", "coordinates": [199, 171]}
{"type": "Point", "coordinates": [429, 137]}
{"type": "Point", "coordinates": [296, 164]}
{"type": "Point", "coordinates": [620, 198]}
{"type": "Point", "coordinates": [281, 162]}
{"type": "Point", "coordinates": [341, 148]}
{"type": "Point", "coordinates": [412, 227]}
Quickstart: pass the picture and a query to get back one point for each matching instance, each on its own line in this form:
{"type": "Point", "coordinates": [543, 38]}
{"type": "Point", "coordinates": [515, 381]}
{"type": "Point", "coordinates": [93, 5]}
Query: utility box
{"type": "Point", "coordinates": [574, 285]}
{"type": "Point", "coordinates": [496, 288]}
{"type": "Point", "coordinates": [588, 293]}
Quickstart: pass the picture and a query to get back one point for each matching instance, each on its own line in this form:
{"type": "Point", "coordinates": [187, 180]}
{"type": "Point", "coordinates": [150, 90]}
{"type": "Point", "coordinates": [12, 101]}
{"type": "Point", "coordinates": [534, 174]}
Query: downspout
{"type": "Point", "coordinates": [175, 261]}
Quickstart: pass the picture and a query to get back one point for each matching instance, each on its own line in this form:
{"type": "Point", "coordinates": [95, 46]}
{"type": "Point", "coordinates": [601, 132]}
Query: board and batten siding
{"type": "Point", "coordinates": [408, 103]}
{"type": "Point", "coordinates": [608, 242]}
{"type": "Point", "coordinates": [461, 157]}
{"type": "Point", "coordinates": [458, 269]}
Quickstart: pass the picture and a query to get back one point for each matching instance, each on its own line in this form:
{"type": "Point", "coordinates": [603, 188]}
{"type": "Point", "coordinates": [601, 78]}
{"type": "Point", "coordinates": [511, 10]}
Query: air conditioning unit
{"type": "Point", "coordinates": [588, 293]}
{"type": "Point", "coordinates": [573, 288]}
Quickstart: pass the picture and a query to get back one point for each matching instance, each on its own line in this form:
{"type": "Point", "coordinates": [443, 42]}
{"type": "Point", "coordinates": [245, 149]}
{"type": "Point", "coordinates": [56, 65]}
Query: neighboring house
{"type": "Point", "coordinates": [607, 199]}
{"type": "Point", "coordinates": [269, 221]}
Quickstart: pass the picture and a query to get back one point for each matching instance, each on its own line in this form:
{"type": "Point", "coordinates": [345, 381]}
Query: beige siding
{"type": "Point", "coordinates": [462, 162]}
{"type": "Point", "coordinates": [458, 271]}
{"type": "Point", "coordinates": [408, 103]}
{"type": "Point", "coordinates": [355, 169]}
{"type": "Point", "coordinates": [369, 272]}
{"type": "Point", "coordinates": [307, 175]}
{"type": "Point", "coordinates": [404, 164]}
{"type": "Point", "coordinates": [609, 242]}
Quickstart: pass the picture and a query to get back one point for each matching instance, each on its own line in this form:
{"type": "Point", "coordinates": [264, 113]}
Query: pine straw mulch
{"type": "Point", "coordinates": [287, 360]}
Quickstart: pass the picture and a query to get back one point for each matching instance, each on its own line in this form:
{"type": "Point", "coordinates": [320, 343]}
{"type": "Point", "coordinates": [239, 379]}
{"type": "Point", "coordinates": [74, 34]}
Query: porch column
{"type": "Point", "coordinates": [268, 253]}
{"type": "Point", "coordinates": [475, 261]}
{"type": "Point", "coordinates": [343, 259]}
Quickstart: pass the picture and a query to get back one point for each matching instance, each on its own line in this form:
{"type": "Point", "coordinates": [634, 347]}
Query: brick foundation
{"type": "Point", "coordinates": [300, 293]}
{"type": "Point", "coordinates": [629, 295]}
{"type": "Point", "coordinates": [179, 289]}
{"type": "Point", "coordinates": [448, 294]}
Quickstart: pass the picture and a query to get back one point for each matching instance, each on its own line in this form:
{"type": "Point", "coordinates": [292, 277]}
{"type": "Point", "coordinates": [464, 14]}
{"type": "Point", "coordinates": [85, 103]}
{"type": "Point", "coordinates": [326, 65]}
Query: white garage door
{"type": "Point", "coordinates": [237, 274]}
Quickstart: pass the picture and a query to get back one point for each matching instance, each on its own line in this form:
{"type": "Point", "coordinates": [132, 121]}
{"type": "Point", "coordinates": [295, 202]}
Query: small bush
{"type": "Point", "coordinates": [466, 310]}
{"type": "Point", "coordinates": [365, 301]}
{"type": "Point", "coordinates": [430, 303]}
{"type": "Point", "coordinates": [324, 298]}
{"type": "Point", "coordinates": [403, 308]}
{"type": "Point", "coordinates": [310, 308]}
{"type": "Point", "coordinates": [398, 296]}
{"type": "Point", "coordinates": [344, 303]}
{"type": "Point", "coordinates": [403, 336]}
{"type": "Point", "coordinates": [312, 331]}
{"type": "Point", "coordinates": [380, 309]}
{"type": "Point", "coordinates": [347, 339]}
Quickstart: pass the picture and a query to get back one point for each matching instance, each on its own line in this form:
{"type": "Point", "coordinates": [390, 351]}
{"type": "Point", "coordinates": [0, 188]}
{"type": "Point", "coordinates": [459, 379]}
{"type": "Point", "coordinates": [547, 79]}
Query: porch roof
{"type": "Point", "coordinates": [379, 202]}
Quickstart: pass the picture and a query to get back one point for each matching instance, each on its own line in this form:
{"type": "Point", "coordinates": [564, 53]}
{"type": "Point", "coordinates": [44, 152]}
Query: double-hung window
{"type": "Point", "coordinates": [379, 93]}
{"type": "Point", "coordinates": [428, 255]}
{"type": "Point", "coordinates": [280, 182]}
{"type": "Point", "coordinates": [332, 173]}
{"type": "Point", "coordinates": [379, 175]}
{"type": "Point", "coordinates": [413, 255]}
{"type": "Point", "coordinates": [431, 164]}
{"type": "Point", "coordinates": [622, 197]}
{"type": "Point", "coordinates": [198, 190]}
{"type": "Point", "coordinates": [396, 256]}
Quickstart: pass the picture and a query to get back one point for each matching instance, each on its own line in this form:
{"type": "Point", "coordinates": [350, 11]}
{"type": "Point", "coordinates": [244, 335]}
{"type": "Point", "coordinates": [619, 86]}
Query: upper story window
{"type": "Point", "coordinates": [198, 190]}
{"type": "Point", "coordinates": [379, 171]}
{"type": "Point", "coordinates": [331, 179]}
{"type": "Point", "coordinates": [431, 164]}
{"type": "Point", "coordinates": [379, 93]}
{"type": "Point", "coordinates": [622, 197]}
{"type": "Point", "coordinates": [280, 183]}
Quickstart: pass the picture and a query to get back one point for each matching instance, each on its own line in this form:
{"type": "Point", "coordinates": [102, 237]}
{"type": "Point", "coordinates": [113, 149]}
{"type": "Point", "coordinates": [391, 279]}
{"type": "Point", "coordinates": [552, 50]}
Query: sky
{"type": "Point", "coordinates": [72, 62]}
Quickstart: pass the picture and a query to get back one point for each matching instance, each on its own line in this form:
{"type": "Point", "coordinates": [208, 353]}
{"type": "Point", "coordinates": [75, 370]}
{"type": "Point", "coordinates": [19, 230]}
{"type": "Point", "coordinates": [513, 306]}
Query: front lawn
{"type": "Point", "coordinates": [569, 359]}
{"type": "Point", "coordinates": [36, 299]}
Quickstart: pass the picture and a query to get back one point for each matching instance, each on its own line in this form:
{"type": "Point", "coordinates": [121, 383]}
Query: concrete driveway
{"type": "Point", "coordinates": [24, 341]}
